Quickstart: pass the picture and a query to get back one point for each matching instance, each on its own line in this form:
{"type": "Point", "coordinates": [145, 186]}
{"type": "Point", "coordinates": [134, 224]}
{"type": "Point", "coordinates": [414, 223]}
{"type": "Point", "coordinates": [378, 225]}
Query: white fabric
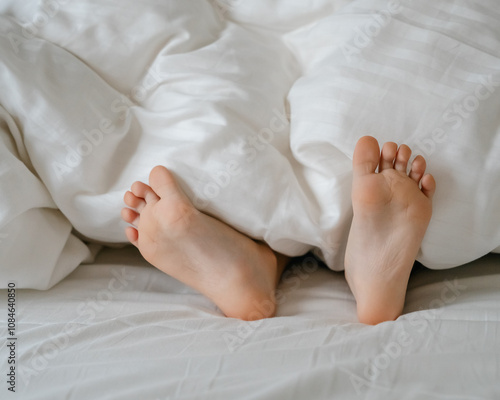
{"type": "Point", "coordinates": [36, 243]}
{"type": "Point", "coordinates": [103, 91]}
{"type": "Point", "coordinates": [119, 329]}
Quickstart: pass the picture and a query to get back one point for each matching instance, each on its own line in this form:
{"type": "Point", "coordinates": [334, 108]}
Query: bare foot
{"type": "Point", "coordinates": [392, 210]}
{"type": "Point", "coordinates": [238, 274]}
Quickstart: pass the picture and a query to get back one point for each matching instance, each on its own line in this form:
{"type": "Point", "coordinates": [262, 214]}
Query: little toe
{"type": "Point", "coordinates": [387, 156]}
{"type": "Point", "coordinates": [428, 185]}
{"type": "Point", "coordinates": [401, 162]}
{"type": "Point", "coordinates": [132, 235]}
{"type": "Point", "coordinates": [366, 156]}
{"type": "Point", "coordinates": [141, 190]}
{"type": "Point", "coordinates": [133, 201]}
{"type": "Point", "coordinates": [417, 168]}
{"type": "Point", "coordinates": [130, 216]}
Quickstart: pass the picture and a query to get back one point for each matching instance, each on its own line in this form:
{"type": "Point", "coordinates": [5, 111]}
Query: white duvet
{"type": "Point", "coordinates": [255, 106]}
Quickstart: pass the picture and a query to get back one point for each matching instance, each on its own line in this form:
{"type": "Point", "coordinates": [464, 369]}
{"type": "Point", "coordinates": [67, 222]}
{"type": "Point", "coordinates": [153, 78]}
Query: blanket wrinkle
{"type": "Point", "coordinates": [256, 108]}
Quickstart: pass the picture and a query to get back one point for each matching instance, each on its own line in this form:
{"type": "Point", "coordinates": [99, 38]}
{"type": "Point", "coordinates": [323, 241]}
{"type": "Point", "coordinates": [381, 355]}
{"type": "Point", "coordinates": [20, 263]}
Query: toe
{"type": "Point", "coordinates": [139, 189]}
{"type": "Point", "coordinates": [132, 235]}
{"type": "Point", "coordinates": [164, 184]}
{"type": "Point", "coordinates": [130, 216]}
{"type": "Point", "coordinates": [417, 168]}
{"type": "Point", "coordinates": [133, 201]}
{"type": "Point", "coordinates": [428, 185]}
{"type": "Point", "coordinates": [366, 156]}
{"type": "Point", "coordinates": [144, 191]}
{"type": "Point", "coordinates": [401, 162]}
{"type": "Point", "coordinates": [389, 151]}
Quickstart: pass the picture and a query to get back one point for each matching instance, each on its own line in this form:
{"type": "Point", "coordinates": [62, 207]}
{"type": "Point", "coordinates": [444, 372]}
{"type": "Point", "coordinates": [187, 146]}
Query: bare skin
{"type": "Point", "coordinates": [237, 273]}
{"type": "Point", "coordinates": [392, 210]}
{"type": "Point", "coordinates": [391, 213]}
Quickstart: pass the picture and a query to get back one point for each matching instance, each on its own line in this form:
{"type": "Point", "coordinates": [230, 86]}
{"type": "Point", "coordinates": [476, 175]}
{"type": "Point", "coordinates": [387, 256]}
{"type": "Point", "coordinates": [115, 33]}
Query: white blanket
{"type": "Point", "coordinates": [256, 108]}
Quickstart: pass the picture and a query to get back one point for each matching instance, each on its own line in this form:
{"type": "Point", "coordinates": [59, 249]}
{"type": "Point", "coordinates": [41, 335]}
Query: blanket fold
{"type": "Point", "coordinates": [256, 117]}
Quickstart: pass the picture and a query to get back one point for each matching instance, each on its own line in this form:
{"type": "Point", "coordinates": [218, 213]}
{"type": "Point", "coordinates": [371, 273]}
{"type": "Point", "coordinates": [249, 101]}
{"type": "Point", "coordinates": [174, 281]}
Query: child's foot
{"type": "Point", "coordinates": [392, 210]}
{"type": "Point", "coordinates": [238, 274]}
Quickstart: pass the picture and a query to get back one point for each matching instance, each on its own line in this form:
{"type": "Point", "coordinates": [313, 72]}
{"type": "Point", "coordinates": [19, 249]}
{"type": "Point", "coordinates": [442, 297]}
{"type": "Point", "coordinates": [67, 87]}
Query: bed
{"type": "Point", "coordinates": [118, 328]}
{"type": "Point", "coordinates": [256, 108]}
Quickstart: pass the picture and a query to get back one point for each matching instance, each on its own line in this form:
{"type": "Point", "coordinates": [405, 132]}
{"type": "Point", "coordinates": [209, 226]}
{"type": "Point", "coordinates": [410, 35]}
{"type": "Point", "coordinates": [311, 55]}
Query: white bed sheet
{"type": "Point", "coordinates": [120, 329]}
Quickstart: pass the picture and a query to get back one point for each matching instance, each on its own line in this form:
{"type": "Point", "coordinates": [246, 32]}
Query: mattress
{"type": "Point", "coordinates": [118, 328]}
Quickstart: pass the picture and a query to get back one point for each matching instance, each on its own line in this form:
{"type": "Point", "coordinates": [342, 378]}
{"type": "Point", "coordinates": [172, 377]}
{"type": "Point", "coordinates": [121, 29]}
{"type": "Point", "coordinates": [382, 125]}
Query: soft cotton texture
{"type": "Point", "coordinates": [256, 108]}
{"type": "Point", "coordinates": [120, 329]}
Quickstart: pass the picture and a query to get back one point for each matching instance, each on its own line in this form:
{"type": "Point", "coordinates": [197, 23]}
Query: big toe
{"type": "Point", "coordinates": [366, 156]}
{"type": "Point", "coordinates": [163, 182]}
